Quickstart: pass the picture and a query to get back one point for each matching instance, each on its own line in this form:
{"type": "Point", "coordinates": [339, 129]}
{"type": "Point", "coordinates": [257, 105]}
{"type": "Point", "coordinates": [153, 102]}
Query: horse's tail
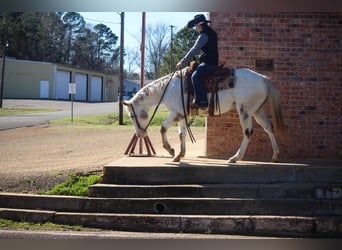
{"type": "Point", "coordinates": [277, 117]}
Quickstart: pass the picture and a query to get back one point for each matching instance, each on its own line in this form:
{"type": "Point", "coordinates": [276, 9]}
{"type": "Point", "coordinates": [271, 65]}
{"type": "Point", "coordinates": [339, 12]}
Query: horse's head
{"type": "Point", "coordinates": [139, 118]}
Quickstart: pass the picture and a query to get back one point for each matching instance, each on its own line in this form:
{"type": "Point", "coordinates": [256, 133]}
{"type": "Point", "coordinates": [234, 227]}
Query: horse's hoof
{"type": "Point", "coordinates": [232, 160]}
{"type": "Point", "coordinates": [172, 152]}
{"type": "Point", "coordinates": [176, 159]}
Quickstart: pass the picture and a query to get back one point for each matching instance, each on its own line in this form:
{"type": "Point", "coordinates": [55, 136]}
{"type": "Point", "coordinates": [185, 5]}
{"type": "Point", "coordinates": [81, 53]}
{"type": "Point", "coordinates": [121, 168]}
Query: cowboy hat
{"type": "Point", "coordinates": [197, 20]}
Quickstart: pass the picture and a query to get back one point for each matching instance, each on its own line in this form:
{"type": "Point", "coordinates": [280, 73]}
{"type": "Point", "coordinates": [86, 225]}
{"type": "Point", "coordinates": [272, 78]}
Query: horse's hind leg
{"type": "Point", "coordinates": [262, 119]}
{"type": "Point", "coordinates": [247, 130]}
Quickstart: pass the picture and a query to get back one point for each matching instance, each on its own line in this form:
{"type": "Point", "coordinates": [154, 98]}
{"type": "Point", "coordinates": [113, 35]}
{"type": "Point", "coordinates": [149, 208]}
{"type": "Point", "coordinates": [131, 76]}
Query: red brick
{"type": "Point", "coordinates": [306, 51]}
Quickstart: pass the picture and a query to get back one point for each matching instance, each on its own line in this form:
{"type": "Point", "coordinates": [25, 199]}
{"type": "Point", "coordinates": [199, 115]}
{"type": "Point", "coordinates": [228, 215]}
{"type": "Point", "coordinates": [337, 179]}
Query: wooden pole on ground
{"type": "Point", "coordinates": [130, 151]}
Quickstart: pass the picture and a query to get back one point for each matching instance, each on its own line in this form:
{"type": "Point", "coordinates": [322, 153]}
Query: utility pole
{"type": "Point", "coordinates": [3, 73]}
{"type": "Point", "coordinates": [142, 68]}
{"type": "Point", "coordinates": [148, 145]}
{"type": "Point", "coordinates": [171, 49]}
{"type": "Point", "coordinates": [122, 14]}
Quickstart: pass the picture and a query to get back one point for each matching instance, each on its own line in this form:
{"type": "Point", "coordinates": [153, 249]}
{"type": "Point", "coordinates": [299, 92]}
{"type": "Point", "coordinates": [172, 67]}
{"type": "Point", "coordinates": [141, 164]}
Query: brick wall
{"type": "Point", "coordinates": [306, 49]}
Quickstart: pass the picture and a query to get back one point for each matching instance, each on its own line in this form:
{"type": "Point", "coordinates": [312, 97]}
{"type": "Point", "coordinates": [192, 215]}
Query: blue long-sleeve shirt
{"type": "Point", "coordinates": [202, 39]}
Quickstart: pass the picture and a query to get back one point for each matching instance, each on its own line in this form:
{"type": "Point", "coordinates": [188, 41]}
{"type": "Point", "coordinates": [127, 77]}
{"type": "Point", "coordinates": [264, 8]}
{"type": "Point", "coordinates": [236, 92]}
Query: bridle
{"type": "Point", "coordinates": [135, 116]}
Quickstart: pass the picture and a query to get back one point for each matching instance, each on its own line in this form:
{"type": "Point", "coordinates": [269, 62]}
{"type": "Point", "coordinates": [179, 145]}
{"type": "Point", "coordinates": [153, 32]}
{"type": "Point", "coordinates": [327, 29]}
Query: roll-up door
{"type": "Point", "coordinates": [62, 85]}
{"type": "Point", "coordinates": [81, 87]}
{"type": "Point", "coordinates": [96, 89]}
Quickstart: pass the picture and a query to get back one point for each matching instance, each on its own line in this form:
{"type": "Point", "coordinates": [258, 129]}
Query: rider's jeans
{"type": "Point", "coordinates": [202, 71]}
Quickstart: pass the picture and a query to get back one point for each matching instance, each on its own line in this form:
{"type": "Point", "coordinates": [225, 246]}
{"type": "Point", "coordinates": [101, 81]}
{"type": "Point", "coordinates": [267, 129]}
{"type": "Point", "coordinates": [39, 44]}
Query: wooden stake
{"type": "Point", "coordinates": [148, 145]}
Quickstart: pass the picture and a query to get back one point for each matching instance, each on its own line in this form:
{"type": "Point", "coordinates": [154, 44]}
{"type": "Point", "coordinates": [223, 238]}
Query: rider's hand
{"type": "Point", "coordinates": [179, 65]}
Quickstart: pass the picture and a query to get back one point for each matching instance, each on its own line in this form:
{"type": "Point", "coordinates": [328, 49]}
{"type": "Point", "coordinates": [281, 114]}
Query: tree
{"type": "Point", "coordinates": [105, 42]}
{"type": "Point", "coordinates": [59, 38]}
{"type": "Point", "coordinates": [33, 35]}
{"type": "Point", "coordinates": [8, 28]}
{"type": "Point", "coordinates": [106, 46]}
{"type": "Point", "coordinates": [85, 52]}
{"type": "Point", "coordinates": [74, 26]}
{"type": "Point", "coordinates": [157, 44]}
{"type": "Point", "coordinates": [133, 62]}
{"type": "Point", "coordinates": [183, 41]}
{"type": "Point", "coordinates": [52, 36]}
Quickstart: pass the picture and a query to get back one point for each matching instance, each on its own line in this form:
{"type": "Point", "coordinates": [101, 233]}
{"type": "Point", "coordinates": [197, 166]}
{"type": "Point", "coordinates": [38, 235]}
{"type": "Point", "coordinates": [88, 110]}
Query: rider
{"type": "Point", "coordinates": [207, 44]}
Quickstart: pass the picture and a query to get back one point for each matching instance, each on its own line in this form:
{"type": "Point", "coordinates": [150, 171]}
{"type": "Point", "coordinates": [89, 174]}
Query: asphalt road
{"type": "Point", "coordinates": [64, 110]}
{"type": "Point", "coordinates": [51, 234]}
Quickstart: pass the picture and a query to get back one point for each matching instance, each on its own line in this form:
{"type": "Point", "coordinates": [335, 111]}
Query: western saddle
{"type": "Point", "coordinates": [222, 78]}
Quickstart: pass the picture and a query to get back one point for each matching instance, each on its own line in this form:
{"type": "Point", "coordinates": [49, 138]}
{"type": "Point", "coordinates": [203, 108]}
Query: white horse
{"type": "Point", "coordinates": [248, 96]}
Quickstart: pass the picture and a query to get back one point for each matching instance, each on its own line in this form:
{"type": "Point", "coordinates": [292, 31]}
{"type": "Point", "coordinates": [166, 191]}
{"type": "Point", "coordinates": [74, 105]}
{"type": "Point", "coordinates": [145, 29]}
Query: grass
{"type": "Point", "coordinates": [112, 119]}
{"type": "Point", "coordinates": [76, 185]}
{"type": "Point", "coordinates": [101, 119]}
{"type": "Point", "coordinates": [10, 224]}
{"type": "Point", "coordinates": [20, 111]}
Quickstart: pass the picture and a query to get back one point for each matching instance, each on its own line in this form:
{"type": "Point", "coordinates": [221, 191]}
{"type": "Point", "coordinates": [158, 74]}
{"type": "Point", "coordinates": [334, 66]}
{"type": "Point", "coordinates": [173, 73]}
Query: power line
{"type": "Point", "coordinates": [99, 21]}
{"type": "Point", "coordinates": [107, 22]}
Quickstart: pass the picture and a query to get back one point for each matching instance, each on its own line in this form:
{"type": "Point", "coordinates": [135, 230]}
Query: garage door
{"type": "Point", "coordinates": [81, 87]}
{"type": "Point", "coordinates": [44, 89]}
{"type": "Point", "coordinates": [96, 89]}
{"type": "Point", "coordinates": [62, 85]}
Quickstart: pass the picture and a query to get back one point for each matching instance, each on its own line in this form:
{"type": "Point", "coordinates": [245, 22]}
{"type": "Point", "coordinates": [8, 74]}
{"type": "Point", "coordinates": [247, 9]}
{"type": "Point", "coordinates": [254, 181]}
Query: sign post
{"type": "Point", "coordinates": [72, 92]}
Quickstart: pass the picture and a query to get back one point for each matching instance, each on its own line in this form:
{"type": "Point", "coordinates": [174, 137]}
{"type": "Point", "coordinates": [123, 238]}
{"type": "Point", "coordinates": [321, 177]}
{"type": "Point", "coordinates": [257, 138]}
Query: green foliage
{"type": "Point", "coordinates": [10, 224]}
{"type": "Point", "coordinates": [181, 44]}
{"type": "Point", "coordinates": [59, 38]}
{"type": "Point", "coordinates": [76, 185]}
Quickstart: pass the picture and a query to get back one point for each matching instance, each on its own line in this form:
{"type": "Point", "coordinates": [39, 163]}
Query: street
{"type": "Point", "coordinates": [64, 107]}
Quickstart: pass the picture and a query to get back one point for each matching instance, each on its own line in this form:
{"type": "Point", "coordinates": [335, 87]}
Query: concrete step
{"type": "Point", "coordinates": [224, 190]}
{"type": "Point", "coordinates": [199, 196]}
{"type": "Point", "coordinates": [168, 205]}
{"type": "Point", "coordinates": [192, 174]}
{"type": "Point", "coordinates": [279, 226]}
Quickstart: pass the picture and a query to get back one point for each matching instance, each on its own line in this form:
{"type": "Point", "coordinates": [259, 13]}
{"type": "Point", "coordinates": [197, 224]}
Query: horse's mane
{"type": "Point", "coordinates": [156, 86]}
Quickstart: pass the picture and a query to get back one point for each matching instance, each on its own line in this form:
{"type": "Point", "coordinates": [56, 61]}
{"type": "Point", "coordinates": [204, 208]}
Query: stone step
{"type": "Point", "coordinates": [211, 174]}
{"type": "Point", "coordinates": [169, 205]}
{"type": "Point", "coordinates": [197, 196]}
{"type": "Point", "coordinates": [278, 226]}
{"type": "Point", "coordinates": [224, 190]}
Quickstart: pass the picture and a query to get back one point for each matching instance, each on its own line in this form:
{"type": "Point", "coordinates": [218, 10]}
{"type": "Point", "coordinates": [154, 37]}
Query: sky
{"type": "Point", "coordinates": [133, 23]}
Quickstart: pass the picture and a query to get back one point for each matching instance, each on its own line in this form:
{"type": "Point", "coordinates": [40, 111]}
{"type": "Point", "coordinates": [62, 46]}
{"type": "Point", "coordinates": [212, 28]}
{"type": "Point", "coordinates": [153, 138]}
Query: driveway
{"type": "Point", "coordinates": [64, 107]}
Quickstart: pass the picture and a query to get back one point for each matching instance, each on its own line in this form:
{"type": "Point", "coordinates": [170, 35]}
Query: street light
{"type": "Point", "coordinates": [3, 73]}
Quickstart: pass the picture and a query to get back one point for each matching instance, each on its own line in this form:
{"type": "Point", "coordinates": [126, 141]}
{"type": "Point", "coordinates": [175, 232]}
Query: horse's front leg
{"type": "Point", "coordinates": [182, 135]}
{"type": "Point", "coordinates": [165, 141]}
{"type": "Point", "coordinates": [165, 127]}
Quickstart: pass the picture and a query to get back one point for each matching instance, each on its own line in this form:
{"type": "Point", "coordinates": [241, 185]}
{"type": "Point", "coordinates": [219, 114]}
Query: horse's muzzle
{"type": "Point", "coordinates": [141, 133]}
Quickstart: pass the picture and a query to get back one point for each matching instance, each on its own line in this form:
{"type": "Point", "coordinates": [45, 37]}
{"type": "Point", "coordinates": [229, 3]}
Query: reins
{"type": "Point", "coordinates": [155, 109]}
{"type": "Point", "coordinates": [192, 138]}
